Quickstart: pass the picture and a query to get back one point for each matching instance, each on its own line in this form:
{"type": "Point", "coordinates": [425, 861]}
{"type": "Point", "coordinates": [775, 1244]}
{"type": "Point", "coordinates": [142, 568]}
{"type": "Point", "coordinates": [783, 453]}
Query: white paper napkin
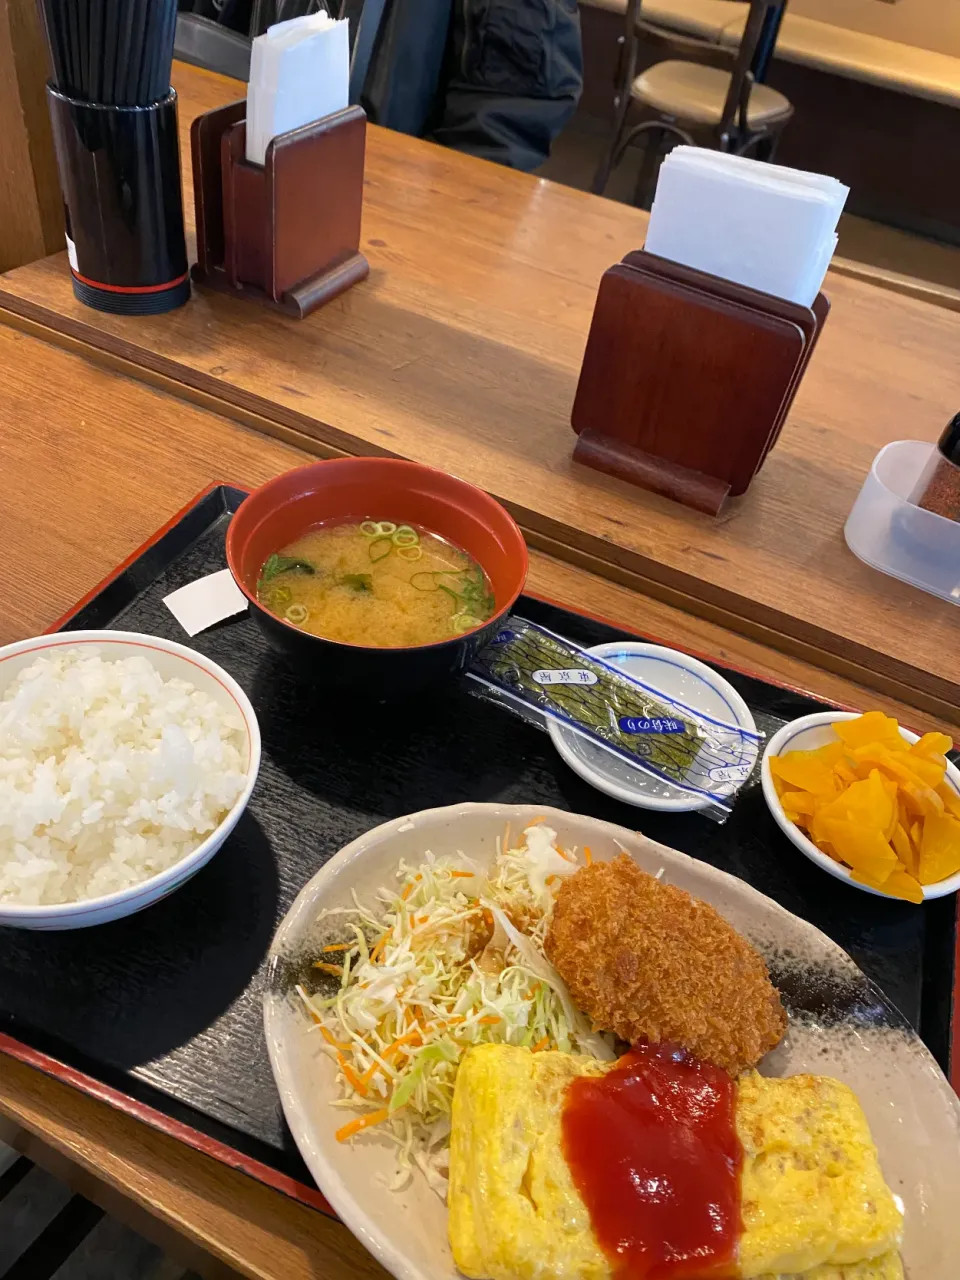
{"type": "Point", "coordinates": [758, 224]}
{"type": "Point", "coordinates": [205, 602]}
{"type": "Point", "coordinates": [299, 72]}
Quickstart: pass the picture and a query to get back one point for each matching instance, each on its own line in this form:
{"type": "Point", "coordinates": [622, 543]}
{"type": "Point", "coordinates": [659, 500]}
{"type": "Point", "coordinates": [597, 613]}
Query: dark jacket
{"type": "Point", "coordinates": [495, 78]}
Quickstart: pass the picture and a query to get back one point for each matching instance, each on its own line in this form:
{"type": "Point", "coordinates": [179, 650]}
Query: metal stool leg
{"type": "Point", "coordinates": [772, 142]}
{"type": "Point", "coordinates": [648, 167]}
{"type": "Point", "coordinates": [612, 154]}
{"type": "Point", "coordinates": [663, 128]}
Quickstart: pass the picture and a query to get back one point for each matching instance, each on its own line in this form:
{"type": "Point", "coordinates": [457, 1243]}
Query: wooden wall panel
{"type": "Point", "coordinates": [31, 211]}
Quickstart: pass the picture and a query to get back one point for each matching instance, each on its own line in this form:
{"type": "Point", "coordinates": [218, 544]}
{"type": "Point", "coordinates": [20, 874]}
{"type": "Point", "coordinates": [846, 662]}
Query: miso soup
{"type": "Point", "coordinates": [376, 583]}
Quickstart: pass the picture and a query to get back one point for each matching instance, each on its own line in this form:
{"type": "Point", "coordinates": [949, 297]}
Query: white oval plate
{"type": "Point", "coordinates": [806, 734]}
{"type": "Point", "coordinates": [840, 1025]}
{"type": "Point", "coordinates": [678, 676]}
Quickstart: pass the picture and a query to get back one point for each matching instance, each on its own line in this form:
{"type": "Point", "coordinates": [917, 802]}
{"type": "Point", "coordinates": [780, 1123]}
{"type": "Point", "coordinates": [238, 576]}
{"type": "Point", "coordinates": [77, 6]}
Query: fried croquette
{"type": "Point", "coordinates": [647, 961]}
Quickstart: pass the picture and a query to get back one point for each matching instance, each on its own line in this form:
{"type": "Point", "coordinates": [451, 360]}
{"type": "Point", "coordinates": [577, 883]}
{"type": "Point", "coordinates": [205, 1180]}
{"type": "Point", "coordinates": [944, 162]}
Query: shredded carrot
{"type": "Point", "coordinates": [563, 854]}
{"type": "Point", "coordinates": [450, 1022]}
{"type": "Point", "coordinates": [331, 1039]}
{"type": "Point", "coordinates": [536, 822]}
{"type": "Point", "coordinates": [339, 946]}
{"type": "Point", "coordinates": [336, 969]}
{"type": "Point", "coordinates": [461, 875]}
{"type": "Point", "coordinates": [362, 1122]}
{"type": "Point", "coordinates": [370, 1072]}
{"type": "Point", "coordinates": [389, 1052]}
{"type": "Point", "coordinates": [368, 1075]}
{"type": "Point", "coordinates": [488, 916]}
{"type": "Point", "coordinates": [541, 1044]}
{"type": "Point", "coordinates": [410, 1038]}
{"type": "Point", "coordinates": [408, 889]}
{"type": "Point", "coordinates": [587, 855]}
{"type": "Point", "coordinates": [316, 1018]}
{"type": "Point", "coordinates": [378, 947]}
{"type": "Point", "coordinates": [351, 1075]}
{"type": "Point", "coordinates": [423, 920]}
{"type": "Point", "coordinates": [551, 879]}
{"type": "Point", "coordinates": [490, 1020]}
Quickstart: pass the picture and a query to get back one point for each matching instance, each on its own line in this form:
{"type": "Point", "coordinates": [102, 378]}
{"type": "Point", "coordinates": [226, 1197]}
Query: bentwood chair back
{"type": "Point", "coordinates": [701, 93]}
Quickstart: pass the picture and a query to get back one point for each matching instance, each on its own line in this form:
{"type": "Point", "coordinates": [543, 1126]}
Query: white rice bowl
{"type": "Point", "coordinates": [124, 763]}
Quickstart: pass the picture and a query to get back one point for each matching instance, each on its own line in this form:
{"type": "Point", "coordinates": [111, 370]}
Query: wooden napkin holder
{"type": "Point", "coordinates": [288, 233]}
{"type": "Point", "coordinates": [687, 379]}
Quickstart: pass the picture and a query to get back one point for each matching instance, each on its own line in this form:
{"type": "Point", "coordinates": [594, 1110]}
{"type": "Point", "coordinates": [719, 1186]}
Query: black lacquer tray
{"type": "Point", "coordinates": [160, 1013]}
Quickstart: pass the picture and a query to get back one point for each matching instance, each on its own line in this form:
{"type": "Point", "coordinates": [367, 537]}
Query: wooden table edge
{"type": "Point", "coordinates": [938, 295]}
{"type": "Point", "coordinates": [117, 1161]}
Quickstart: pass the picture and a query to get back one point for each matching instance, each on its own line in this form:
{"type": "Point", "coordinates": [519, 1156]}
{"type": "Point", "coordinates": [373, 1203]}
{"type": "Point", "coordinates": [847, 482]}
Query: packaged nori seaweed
{"type": "Point", "coordinates": [543, 677]}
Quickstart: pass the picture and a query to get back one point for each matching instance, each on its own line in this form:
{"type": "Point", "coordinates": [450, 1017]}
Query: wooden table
{"type": "Point", "coordinates": [463, 350]}
{"type": "Point", "coordinates": [93, 463]}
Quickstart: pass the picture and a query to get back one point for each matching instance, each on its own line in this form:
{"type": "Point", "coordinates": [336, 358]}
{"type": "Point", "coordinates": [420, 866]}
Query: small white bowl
{"type": "Point", "coordinates": [807, 734]}
{"type": "Point", "coordinates": [693, 684]}
{"type": "Point", "coordinates": [170, 659]}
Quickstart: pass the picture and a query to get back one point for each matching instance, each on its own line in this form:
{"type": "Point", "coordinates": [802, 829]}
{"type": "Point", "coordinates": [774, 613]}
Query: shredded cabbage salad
{"type": "Point", "coordinates": [449, 958]}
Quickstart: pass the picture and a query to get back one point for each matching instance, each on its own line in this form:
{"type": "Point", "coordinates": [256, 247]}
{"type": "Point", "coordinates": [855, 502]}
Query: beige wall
{"type": "Point", "coordinates": [929, 24]}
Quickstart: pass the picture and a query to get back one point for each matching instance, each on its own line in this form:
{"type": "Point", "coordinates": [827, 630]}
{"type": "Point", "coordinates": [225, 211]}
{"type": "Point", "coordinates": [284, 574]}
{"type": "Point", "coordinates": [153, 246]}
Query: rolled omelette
{"type": "Point", "coordinates": [814, 1204]}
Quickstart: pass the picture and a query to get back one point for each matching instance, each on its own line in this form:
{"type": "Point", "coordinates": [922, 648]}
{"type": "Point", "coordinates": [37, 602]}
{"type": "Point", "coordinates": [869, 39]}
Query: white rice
{"type": "Point", "coordinates": [109, 774]}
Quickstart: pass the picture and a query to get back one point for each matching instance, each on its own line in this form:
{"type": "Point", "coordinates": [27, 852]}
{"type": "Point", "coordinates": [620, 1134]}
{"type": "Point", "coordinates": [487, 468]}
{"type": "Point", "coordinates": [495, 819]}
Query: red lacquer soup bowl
{"type": "Point", "coordinates": [376, 488]}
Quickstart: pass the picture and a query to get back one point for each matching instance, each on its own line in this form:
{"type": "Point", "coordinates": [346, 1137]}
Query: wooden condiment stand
{"type": "Point", "coordinates": [288, 233]}
{"type": "Point", "coordinates": [687, 379]}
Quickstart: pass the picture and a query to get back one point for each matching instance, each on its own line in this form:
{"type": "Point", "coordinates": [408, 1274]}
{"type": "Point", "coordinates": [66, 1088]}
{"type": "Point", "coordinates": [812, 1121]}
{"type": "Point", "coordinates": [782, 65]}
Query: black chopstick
{"type": "Point", "coordinates": [111, 26]}
{"type": "Point", "coordinates": [124, 11]}
{"type": "Point", "coordinates": [71, 37]}
{"type": "Point", "coordinates": [54, 43]}
{"type": "Point", "coordinates": [95, 52]}
{"type": "Point", "coordinates": [83, 48]}
{"type": "Point", "coordinates": [136, 50]}
{"type": "Point", "coordinates": [145, 78]}
{"type": "Point", "coordinates": [163, 61]}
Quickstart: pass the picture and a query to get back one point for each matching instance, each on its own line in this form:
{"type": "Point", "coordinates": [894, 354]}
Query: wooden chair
{"type": "Point", "coordinates": [702, 94]}
{"type": "Point", "coordinates": [365, 18]}
{"type": "Point", "coordinates": [207, 44]}
{"type": "Point", "coordinates": [264, 13]}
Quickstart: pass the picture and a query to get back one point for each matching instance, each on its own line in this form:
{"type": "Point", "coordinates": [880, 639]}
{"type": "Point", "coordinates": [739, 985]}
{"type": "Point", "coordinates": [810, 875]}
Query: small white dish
{"type": "Point", "coordinates": [807, 734]}
{"type": "Point", "coordinates": [171, 660]}
{"type": "Point", "coordinates": [687, 680]}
